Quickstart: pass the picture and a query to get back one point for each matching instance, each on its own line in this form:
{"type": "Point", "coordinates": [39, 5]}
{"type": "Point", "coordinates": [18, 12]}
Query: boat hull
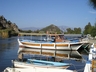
{"type": "Point", "coordinates": [60, 46]}
{"type": "Point", "coordinates": [35, 69]}
{"type": "Point", "coordinates": [19, 64]}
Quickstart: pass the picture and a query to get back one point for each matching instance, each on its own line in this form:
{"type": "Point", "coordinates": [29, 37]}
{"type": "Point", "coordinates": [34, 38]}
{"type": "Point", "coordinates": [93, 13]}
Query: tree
{"type": "Point", "coordinates": [69, 30]}
{"type": "Point", "coordinates": [93, 31]}
{"type": "Point", "coordinates": [88, 28]}
{"type": "Point", "coordinates": [77, 30]}
{"type": "Point", "coordinates": [93, 3]}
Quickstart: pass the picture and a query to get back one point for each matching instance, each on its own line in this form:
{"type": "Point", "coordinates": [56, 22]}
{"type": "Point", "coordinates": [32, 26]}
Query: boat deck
{"type": "Point", "coordinates": [50, 63]}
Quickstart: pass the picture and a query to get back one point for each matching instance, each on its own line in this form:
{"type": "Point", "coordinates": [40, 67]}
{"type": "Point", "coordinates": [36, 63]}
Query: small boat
{"type": "Point", "coordinates": [57, 44]}
{"type": "Point", "coordinates": [90, 65]}
{"type": "Point", "coordinates": [35, 69]}
{"type": "Point", "coordinates": [28, 63]}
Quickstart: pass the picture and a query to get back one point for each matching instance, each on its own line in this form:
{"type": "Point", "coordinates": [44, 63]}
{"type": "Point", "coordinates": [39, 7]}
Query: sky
{"type": "Point", "coordinates": [41, 13]}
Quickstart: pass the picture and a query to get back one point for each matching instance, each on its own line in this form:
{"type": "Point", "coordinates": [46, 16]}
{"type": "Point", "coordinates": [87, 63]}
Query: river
{"type": "Point", "coordinates": [9, 48]}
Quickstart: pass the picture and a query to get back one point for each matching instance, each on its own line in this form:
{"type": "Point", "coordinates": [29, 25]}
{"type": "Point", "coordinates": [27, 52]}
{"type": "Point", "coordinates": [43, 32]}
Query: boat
{"type": "Point", "coordinates": [35, 69]}
{"type": "Point", "coordinates": [28, 63]}
{"type": "Point", "coordinates": [90, 65]}
{"type": "Point", "coordinates": [57, 44]}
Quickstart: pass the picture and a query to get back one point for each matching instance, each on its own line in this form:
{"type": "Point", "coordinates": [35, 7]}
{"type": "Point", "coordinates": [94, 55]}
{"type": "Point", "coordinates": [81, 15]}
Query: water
{"type": "Point", "coordinates": [9, 48]}
{"type": "Point", "coordinates": [8, 51]}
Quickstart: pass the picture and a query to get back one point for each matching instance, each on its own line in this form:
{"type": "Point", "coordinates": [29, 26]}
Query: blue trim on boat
{"type": "Point", "coordinates": [49, 63]}
{"type": "Point", "coordinates": [37, 41]}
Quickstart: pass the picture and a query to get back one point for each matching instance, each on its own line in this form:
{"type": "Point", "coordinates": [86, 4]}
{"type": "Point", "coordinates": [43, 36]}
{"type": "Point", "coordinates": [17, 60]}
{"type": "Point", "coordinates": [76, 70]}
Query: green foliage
{"type": "Point", "coordinates": [73, 31]}
{"type": "Point", "coordinates": [28, 31]}
{"type": "Point", "coordinates": [93, 3]}
{"type": "Point", "coordinates": [25, 31]}
{"type": "Point", "coordinates": [7, 28]}
{"type": "Point", "coordinates": [4, 33]}
{"type": "Point", "coordinates": [69, 30]}
{"type": "Point", "coordinates": [77, 30]}
{"type": "Point", "coordinates": [12, 33]}
{"type": "Point", "coordinates": [93, 32]}
{"type": "Point", "coordinates": [37, 31]}
{"type": "Point", "coordinates": [88, 28]}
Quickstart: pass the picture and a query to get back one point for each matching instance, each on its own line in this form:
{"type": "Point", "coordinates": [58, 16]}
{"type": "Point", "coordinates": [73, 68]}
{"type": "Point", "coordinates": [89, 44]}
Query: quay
{"type": "Point", "coordinates": [29, 34]}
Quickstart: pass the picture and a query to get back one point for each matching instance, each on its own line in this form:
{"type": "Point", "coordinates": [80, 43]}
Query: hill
{"type": "Point", "coordinates": [51, 29]}
{"type": "Point", "coordinates": [7, 28]}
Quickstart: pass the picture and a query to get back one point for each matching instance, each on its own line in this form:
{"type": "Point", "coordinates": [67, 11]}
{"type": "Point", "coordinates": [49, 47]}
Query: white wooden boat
{"type": "Point", "coordinates": [35, 69]}
{"type": "Point", "coordinates": [28, 63]}
{"type": "Point", "coordinates": [91, 62]}
{"type": "Point", "coordinates": [42, 45]}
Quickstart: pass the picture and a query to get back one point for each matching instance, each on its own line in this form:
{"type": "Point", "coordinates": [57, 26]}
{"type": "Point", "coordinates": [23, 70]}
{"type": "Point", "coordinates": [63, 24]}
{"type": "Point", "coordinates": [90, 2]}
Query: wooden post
{"type": "Point", "coordinates": [93, 65]}
{"type": "Point", "coordinates": [20, 56]}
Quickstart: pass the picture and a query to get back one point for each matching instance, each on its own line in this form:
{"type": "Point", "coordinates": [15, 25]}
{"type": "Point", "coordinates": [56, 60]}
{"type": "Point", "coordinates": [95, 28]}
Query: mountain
{"type": "Point", "coordinates": [63, 28]}
{"type": "Point", "coordinates": [4, 24]}
{"type": "Point", "coordinates": [51, 29]}
{"type": "Point", "coordinates": [7, 28]}
{"type": "Point", "coordinates": [31, 28]}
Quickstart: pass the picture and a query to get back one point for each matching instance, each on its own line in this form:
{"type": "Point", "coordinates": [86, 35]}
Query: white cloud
{"type": "Point", "coordinates": [92, 12]}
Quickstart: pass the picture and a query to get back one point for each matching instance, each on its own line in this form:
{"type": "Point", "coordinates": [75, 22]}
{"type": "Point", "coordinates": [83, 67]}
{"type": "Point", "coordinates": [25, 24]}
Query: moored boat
{"type": "Point", "coordinates": [28, 63]}
{"type": "Point", "coordinates": [42, 45]}
{"type": "Point", "coordinates": [35, 69]}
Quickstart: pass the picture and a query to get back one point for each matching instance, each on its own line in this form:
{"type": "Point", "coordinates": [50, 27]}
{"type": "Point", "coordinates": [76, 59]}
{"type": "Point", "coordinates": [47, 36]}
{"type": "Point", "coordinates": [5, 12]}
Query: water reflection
{"type": "Point", "coordinates": [75, 58]}
{"type": "Point", "coordinates": [8, 51]}
{"type": "Point", "coordinates": [57, 54]}
{"type": "Point", "coordinates": [8, 43]}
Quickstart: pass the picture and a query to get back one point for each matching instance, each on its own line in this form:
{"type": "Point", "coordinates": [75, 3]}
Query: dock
{"type": "Point", "coordinates": [40, 34]}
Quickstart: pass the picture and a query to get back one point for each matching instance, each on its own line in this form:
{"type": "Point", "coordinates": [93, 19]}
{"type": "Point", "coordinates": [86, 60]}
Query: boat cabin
{"type": "Point", "coordinates": [57, 38]}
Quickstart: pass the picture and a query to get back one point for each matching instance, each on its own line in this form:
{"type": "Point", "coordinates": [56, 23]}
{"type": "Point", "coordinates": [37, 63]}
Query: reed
{"type": "Point", "coordinates": [6, 33]}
